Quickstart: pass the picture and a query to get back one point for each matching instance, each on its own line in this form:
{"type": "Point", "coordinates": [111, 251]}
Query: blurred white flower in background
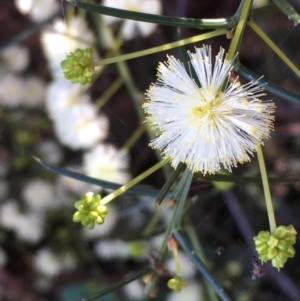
{"type": "Point", "coordinates": [28, 227]}
{"type": "Point", "coordinates": [34, 92]}
{"type": "Point", "coordinates": [108, 249]}
{"type": "Point", "coordinates": [9, 212]}
{"type": "Point", "coordinates": [39, 195]}
{"type": "Point", "coordinates": [47, 263]}
{"type": "Point", "coordinates": [16, 58]}
{"type": "Point", "coordinates": [259, 3]}
{"type": "Point", "coordinates": [188, 269]}
{"type": "Point", "coordinates": [81, 127]}
{"type": "Point", "coordinates": [11, 91]}
{"type": "Point", "coordinates": [76, 120]}
{"type": "Point", "coordinates": [63, 37]}
{"type": "Point", "coordinates": [49, 151]}
{"type": "Point", "coordinates": [134, 290]}
{"type": "Point", "coordinates": [62, 96]}
{"type": "Point", "coordinates": [130, 28]}
{"type": "Point", "coordinates": [107, 163]}
{"type": "Point", "coordinates": [37, 10]}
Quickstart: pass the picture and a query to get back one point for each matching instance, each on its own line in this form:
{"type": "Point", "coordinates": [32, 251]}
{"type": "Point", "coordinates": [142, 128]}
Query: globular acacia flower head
{"type": "Point", "coordinates": [278, 246]}
{"type": "Point", "coordinates": [90, 210]}
{"type": "Point", "coordinates": [78, 67]}
{"type": "Point", "coordinates": [205, 126]}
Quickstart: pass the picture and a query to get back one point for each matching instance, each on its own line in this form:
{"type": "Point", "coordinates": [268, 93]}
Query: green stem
{"type": "Point", "coordinates": [267, 193]}
{"type": "Point", "coordinates": [113, 88]}
{"type": "Point", "coordinates": [200, 266]}
{"type": "Point", "coordinates": [180, 195]}
{"type": "Point", "coordinates": [129, 56]}
{"type": "Point", "coordinates": [273, 46]}
{"type": "Point", "coordinates": [268, 86]}
{"type": "Point", "coordinates": [134, 181]}
{"type": "Point", "coordinates": [135, 136]}
{"type": "Point", "coordinates": [170, 181]}
{"type": "Point", "coordinates": [154, 221]}
{"type": "Point", "coordinates": [136, 95]}
{"type": "Point", "coordinates": [157, 19]}
{"type": "Point", "coordinates": [236, 40]}
{"type": "Point", "coordinates": [288, 10]}
{"type": "Point", "coordinates": [192, 236]}
{"type": "Point", "coordinates": [118, 285]}
{"type": "Point", "coordinates": [177, 261]}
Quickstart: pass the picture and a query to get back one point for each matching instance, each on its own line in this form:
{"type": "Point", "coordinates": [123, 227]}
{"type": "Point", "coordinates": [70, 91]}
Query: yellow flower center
{"type": "Point", "coordinates": [210, 100]}
{"type": "Point", "coordinates": [203, 110]}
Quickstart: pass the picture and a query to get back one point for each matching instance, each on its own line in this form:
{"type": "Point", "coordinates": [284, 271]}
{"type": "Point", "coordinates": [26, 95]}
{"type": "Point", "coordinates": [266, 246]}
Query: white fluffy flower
{"type": "Point", "coordinates": [39, 195]}
{"type": "Point", "coordinates": [34, 92]}
{"type": "Point", "coordinates": [81, 127]}
{"type": "Point", "coordinates": [11, 91]}
{"type": "Point", "coordinates": [60, 39]}
{"type": "Point", "coordinates": [16, 58]}
{"type": "Point", "coordinates": [260, 3]}
{"type": "Point", "coordinates": [47, 263]}
{"type": "Point", "coordinates": [134, 290]}
{"type": "Point", "coordinates": [62, 96]}
{"type": "Point", "coordinates": [50, 151]}
{"type": "Point", "coordinates": [30, 227]}
{"type": "Point", "coordinates": [107, 163]}
{"type": "Point", "coordinates": [37, 10]}
{"type": "Point", "coordinates": [76, 121]}
{"type": "Point", "coordinates": [131, 28]}
{"type": "Point", "coordinates": [9, 213]}
{"type": "Point", "coordinates": [112, 249]}
{"type": "Point", "coordinates": [204, 127]}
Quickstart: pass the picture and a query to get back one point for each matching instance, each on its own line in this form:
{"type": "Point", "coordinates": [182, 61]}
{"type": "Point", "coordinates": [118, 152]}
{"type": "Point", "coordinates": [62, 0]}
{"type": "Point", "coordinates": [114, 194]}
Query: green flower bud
{"type": "Point", "coordinates": [282, 245]}
{"type": "Point", "coordinates": [272, 242]}
{"type": "Point", "coordinates": [90, 211]}
{"type": "Point", "coordinates": [277, 247]}
{"type": "Point", "coordinates": [78, 66]}
{"type": "Point", "coordinates": [264, 236]}
{"type": "Point", "coordinates": [177, 284]}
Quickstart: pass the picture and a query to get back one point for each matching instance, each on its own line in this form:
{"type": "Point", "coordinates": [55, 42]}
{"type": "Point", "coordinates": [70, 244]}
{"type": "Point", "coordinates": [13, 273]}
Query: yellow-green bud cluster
{"type": "Point", "coordinates": [278, 246]}
{"type": "Point", "coordinates": [177, 284]}
{"type": "Point", "coordinates": [78, 67]}
{"type": "Point", "coordinates": [90, 211]}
